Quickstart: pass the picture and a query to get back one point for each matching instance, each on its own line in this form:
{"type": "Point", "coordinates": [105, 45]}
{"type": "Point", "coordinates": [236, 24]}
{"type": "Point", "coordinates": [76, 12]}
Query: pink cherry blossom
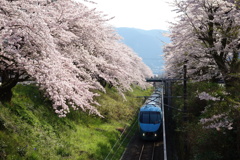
{"type": "Point", "coordinates": [68, 50]}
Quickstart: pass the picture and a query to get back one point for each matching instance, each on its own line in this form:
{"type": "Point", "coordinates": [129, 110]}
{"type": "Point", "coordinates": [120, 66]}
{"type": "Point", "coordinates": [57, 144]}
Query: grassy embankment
{"type": "Point", "coordinates": [29, 128]}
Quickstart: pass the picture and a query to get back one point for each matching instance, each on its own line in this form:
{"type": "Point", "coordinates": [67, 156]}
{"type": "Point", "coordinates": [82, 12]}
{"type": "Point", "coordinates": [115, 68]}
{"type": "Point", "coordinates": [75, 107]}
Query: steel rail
{"type": "Point", "coordinates": [153, 151]}
{"type": "Point", "coordinates": [140, 156]}
{"type": "Point", "coordinates": [142, 150]}
{"type": "Point", "coordinates": [164, 132]}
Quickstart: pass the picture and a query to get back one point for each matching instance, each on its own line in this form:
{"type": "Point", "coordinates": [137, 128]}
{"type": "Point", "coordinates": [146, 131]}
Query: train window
{"type": "Point", "coordinates": [150, 117]}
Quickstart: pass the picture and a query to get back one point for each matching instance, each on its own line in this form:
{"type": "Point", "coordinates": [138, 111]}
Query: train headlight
{"type": "Point", "coordinates": [155, 134]}
{"type": "Point", "coordinates": [143, 134]}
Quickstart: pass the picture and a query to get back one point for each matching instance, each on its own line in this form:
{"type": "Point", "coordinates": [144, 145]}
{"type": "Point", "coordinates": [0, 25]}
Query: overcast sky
{"type": "Point", "coordinates": [142, 14]}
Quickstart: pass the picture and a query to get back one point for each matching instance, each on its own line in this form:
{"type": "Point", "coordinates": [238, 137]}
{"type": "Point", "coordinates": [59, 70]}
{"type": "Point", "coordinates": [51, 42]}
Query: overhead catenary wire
{"type": "Point", "coordinates": [112, 149]}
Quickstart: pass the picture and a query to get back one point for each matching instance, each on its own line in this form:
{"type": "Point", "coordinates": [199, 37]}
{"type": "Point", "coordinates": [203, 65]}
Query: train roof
{"type": "Point", "coordinates": [150, 107]}
{"type": "Point", "coordinates": [155, 95]}
{"type": "Point", "coordinates": [153, 99]}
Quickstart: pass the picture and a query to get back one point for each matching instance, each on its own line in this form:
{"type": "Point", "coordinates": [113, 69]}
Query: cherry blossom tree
{"type": "Point", "coordinates": [207, 39]}
{"type": "Point", "coordinates": [207, 36]}
{"type": "Point", "coordinates": [67, 49]}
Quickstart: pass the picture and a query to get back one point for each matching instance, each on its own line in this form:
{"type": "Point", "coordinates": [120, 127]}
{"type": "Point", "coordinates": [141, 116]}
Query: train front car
{"type": "Point", "coordinates": [150, 121]}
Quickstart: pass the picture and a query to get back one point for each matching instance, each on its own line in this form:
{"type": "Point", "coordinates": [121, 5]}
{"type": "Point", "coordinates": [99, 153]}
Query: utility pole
{"type": "Point", "coordinates": [185, 91]}
{"type": "Point", "coordinates": [186, 154]}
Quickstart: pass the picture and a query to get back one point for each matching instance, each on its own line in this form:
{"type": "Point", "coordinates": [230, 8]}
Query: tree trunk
{"type": "Point", "coordinates": [238, 136]}
{"type": "Point", "coordinates": [5, 94]}
{"type": "Point", "coordinates": [7, 84]}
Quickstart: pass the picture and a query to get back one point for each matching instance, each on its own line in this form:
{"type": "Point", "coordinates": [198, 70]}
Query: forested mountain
{"type": "Point", "coordinates": [147, 44]}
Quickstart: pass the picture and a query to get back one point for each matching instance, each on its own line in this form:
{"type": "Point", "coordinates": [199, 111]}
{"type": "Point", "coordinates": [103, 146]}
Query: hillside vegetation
{"type": "Point", "coordinates": [29, 128]}
{"type": "Point", "coordinates": [205, 133]}
{"type": "Point", "coordinates": [205, 45]}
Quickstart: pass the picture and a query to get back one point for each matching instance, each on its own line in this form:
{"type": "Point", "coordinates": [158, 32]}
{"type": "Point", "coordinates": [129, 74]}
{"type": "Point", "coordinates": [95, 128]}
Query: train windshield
{"type": "Point", "coordinates": [150, 117]}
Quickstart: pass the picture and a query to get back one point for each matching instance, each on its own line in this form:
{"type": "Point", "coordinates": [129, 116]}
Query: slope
{"type": "Point", "coordinates": [29, 128]}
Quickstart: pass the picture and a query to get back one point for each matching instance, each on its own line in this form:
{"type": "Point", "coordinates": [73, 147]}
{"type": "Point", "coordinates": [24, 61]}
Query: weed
{"type": "Point", "coordinates": [3, 154]}
{"type": "Point", "coordinates": [2, 127]}
{"type": "Point", "coordinates": [33, 156]}
{"type": "Point", "coordinates": [63, 152]}
{"type": "Point", "coordinates": [22, 150]}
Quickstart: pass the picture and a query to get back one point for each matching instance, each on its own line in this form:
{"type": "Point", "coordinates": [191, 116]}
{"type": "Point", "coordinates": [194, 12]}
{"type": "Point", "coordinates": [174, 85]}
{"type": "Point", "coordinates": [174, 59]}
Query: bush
{"type": "Point", "coordinates": [194, 140]}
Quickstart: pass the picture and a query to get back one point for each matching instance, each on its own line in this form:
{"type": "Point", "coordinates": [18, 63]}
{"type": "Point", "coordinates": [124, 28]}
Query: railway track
{"type": "Point", "coordinates": [143, 150]}
{"type": "Point", "coordinates": [147, 151]}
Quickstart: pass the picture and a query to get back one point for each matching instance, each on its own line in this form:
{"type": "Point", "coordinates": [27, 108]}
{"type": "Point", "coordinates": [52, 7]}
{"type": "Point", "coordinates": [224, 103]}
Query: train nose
{"type": "Point", "coordinates": [150, 128]}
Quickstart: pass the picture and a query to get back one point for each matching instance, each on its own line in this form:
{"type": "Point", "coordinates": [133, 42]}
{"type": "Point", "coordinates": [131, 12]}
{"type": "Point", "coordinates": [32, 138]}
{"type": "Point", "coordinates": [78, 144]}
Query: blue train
{"type": "Point", "coordinates": [150, 117]}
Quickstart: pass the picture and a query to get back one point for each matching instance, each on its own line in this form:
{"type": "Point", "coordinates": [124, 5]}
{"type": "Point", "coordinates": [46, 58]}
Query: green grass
{"type": "Point", "coordinates": [29, 128]}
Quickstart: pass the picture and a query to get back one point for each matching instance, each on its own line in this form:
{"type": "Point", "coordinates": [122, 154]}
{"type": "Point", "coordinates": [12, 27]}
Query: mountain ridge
{"type": "Point", "coordinates": [148, 44]}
